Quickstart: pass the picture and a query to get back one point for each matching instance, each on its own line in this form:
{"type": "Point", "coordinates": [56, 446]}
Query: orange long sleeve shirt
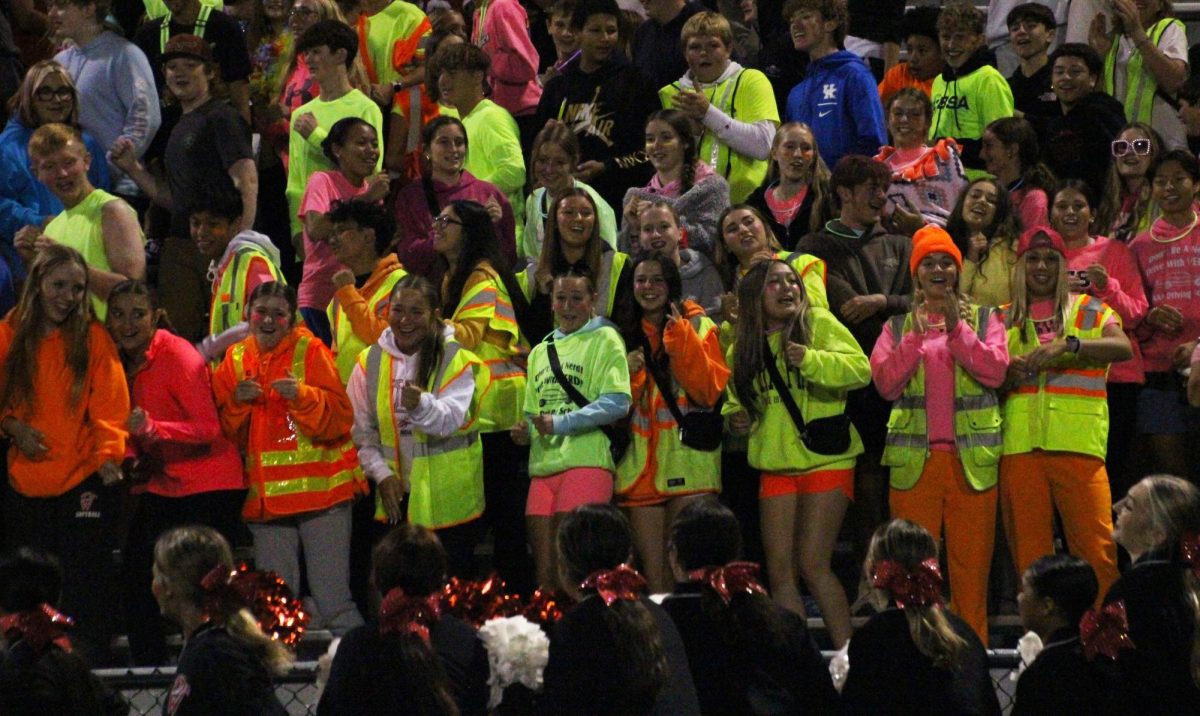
{"type": "Point", "coordinates": [81, 437]}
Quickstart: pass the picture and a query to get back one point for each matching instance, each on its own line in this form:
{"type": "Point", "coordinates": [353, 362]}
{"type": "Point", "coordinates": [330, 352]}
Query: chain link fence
{"type": "Point", "coordinates": [146, 689]}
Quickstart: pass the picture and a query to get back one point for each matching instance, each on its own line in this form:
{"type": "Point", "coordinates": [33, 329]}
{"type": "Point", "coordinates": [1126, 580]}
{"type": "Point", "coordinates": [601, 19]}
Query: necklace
{"type": "Point", "coordinates": [1188, 230]}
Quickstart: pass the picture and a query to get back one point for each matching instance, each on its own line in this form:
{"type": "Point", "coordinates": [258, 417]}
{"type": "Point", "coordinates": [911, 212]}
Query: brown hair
{"type": "Point", "coordinates": [21, 105]}
{"type": "Point", "coordinates": [53, 137]}
{"type": "Point", "coordinates": [749, 359]}
{"type": "Point", "coordinates": [830, 10]}
{"type": "Point", "coordinates": [552, 262]}
{"type": "Point", "coordinates": [960, 15]}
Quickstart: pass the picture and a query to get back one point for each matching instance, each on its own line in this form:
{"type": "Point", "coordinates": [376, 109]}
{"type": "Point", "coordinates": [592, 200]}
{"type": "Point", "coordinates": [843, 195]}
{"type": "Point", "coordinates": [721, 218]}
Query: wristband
{"type": "Point", "coordinates": [1074, 344]}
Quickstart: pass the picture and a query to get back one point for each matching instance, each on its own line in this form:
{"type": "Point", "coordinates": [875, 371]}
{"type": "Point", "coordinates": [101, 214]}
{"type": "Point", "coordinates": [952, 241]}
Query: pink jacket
{"type": "Point", "coordinates": [1124, 293]}
{"type": "Point", "coordinates": [182, 437]}
{"type": "Point", "coordinates": [501, 28]}
{"type": "Point", "coordinates": [893, 366]}
{"type": "Point", "coordinates": [1032, 206]}
{"type": "Point", "coordinates": [1170, 268]}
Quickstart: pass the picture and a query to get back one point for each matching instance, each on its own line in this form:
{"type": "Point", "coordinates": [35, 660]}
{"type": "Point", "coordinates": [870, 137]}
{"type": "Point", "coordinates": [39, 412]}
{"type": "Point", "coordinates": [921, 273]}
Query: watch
{"type": "Point", "coordinates": [398, 86]}
{"type": "Point", "coordinates": [1073, 344]}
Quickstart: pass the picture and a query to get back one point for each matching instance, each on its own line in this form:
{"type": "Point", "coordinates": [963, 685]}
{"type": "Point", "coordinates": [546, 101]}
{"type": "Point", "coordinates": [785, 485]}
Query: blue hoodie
{"type": "Point", "coordinates": [840, 101]}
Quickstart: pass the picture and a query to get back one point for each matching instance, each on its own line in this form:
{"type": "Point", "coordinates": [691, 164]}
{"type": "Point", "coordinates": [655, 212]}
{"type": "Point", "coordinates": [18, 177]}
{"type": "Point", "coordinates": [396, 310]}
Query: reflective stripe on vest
{"type": "Point", "coordinates": [230, 298]}
{"type": "Point", "coordinates": [977, 434]}
{"type": "Point", "coordinates": [611, 264]}
{"type": "Point", "coordinates": [1062, 407]}
{"type": "Point", "coordinates": [304, 453]}
{"type": "Point", "coordinates": [346, 343]}
{"type": "Point", "coordinates": [164, 32]}
{"type": "Point", "coordinates": [454, 462]}
{"type": "Point", "coordinates": [1140, 85]}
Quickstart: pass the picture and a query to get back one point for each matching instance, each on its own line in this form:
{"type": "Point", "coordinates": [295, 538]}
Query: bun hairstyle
{"type": "Point", "coordinates": [184, 556]}
{"type": "Point", "coordinates": [908, 547]}
{"type": "Point", "coordinates": [596, 539]}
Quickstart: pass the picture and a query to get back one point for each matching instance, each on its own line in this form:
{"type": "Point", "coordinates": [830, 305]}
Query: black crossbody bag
{"type": "Point", "coordinates": [618, 438]}
{"type": "Point", "coordinates": [699, 429]}
{"type": "Point", "coordinates": [824, 436]}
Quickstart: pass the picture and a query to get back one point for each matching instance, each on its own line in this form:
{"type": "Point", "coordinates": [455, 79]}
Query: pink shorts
{"type": "Point", "coordinates": [564, 491]}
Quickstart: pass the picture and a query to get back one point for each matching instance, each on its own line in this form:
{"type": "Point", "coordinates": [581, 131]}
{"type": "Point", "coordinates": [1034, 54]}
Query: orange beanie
{"type": "Point", "coordinates": [932, 239]}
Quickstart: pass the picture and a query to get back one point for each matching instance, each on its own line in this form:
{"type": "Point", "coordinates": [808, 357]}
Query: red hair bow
{"type": "Point", "coordinates": [624, 582]}
{"type": "Point", "coordinates": [402, 614]}
{"type": "Point", "coordinates": [1105, 631]}
{"type": "Point", "coordinates": [265, 594]}
{"type": "Point", "coordinates": [1189, 551]}
{"type": "Point", "coordinates": [733, 578]}
{"type": "Point", "coordinates": [922, 587]}
{"type": "Point", "coordinates": [39, 628]}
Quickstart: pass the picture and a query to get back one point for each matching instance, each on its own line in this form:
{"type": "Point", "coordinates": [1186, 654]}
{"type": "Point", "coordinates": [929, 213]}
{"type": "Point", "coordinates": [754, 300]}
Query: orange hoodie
{"type": "Point", "coordinates": [81, 438]}
{"type": "Point", "coordinates": [697, 364]}
{"type": "Point", "coordinates": [321, 412]}
{"type": "Point", "coordinates": [367, 324]}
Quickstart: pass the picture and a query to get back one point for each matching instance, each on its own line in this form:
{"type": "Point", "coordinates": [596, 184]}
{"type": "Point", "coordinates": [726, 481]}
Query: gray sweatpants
{"type": "Point", "coordinates": [325, 538]}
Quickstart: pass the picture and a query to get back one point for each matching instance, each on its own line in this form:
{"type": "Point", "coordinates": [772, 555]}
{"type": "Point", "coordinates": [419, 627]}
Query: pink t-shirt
{"type": "Point", "coordinates": [1124, 293]}
{"type": "Point", "coordinates": [892, 367]}
{"type": "Point", "coordinates": [1170, 267]}
{"type": "Point", "coordinates": [316, 283]}
{"type": "Point", "coordinates": [1032, 206]}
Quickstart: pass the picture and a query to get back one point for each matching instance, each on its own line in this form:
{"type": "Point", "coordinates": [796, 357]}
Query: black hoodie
{"type": "Point", "coordinates": [1076, 145]}
{"type": "Point", "coordinates": [607, 110]}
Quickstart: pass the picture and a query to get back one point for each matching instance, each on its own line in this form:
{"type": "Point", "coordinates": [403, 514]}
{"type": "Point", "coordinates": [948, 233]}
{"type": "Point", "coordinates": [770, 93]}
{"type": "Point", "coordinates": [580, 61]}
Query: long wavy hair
{"type": "Point", "coordinates": [723, 258]}
{"type": "Point", "coordinates": [552, 260]}
{"type": "Point", "coordinates": [817, 179]}
{"type": "Point", "coordinates": [1019, 132]}
{"type": "Point", "coordinates": [749, 359]}
{"type": "Point", "coordinates": [1005, 226]}
{"type": "Point", "coordinates": [183, 556]}
{"type": "Point", "coordinates": [688, 143]}
{"type": "Point", "coordinates": [909, 544]}
{"type": "Point", "coordinates": [30, 320]}
{"type": "Point", "coordinates": [1115, 193]}
{"type": "Point", "coordinates": [479, 244]}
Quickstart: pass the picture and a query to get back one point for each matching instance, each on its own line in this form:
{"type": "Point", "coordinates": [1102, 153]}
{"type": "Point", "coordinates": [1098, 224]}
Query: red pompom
{"type": "Point", "coordinates": [276, 609]}
{"type": "Point", "coordinates": [475, 602]}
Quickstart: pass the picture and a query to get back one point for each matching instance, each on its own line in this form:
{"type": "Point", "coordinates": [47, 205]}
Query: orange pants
{"type": "Point", "coordinates": [1035, 484]}
{"type": "Point", "coordinates": [943, 496]}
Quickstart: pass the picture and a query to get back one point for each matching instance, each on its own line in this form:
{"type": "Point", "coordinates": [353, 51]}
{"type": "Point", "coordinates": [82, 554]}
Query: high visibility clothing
{"type": "Point", "coordinates": [358, 316]}
{"type": "Point", "coordinates": [1140, 85]}
{"type": "Point", "coordinates": [228, 307]}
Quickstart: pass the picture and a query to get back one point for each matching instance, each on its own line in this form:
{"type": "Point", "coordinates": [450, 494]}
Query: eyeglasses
{"type": "Point", "coordinates": [441, 221]}
{"type": "Point", "coordinates": [1121, 147]}
{"type": "Point", "coordinates": [46, 94]}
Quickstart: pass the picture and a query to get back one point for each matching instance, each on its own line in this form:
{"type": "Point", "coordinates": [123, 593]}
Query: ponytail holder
{"type": "Point", "coordinates": [624, 582]}
{"type": "Point", "coordinates": [1105, 631]}
{"type": "Point", "coordinates": [1189, 551]}
{"type": "Point", "coordinates": [733, 578]}
{"type": "Point", "coordinates": [922, 587]}
{"type": "Point", "coordinates": [276, 609]}
{"type": "Point", "coordinates": [39, 628]}
{"type": "Point", "coordinates": [683, 237]}
{"type": "Point", "coordinates": [402, 614]}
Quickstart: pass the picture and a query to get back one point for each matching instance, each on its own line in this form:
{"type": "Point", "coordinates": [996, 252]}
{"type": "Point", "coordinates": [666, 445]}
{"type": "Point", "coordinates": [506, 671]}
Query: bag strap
{"type": "Point", "coordinates": [665, 391]}
{"type": "Point", "coordinates": [572, 392]}
{"type": "Point", "coordinates": [784, 394]}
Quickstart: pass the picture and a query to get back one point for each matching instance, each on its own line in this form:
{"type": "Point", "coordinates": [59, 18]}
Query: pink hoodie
{"type": "Point", "coordinates": [501, 28]}
{"type": "Point", "coordinates": [1124, 293]}
{"type": "Point", "coordinates": [894, 366]}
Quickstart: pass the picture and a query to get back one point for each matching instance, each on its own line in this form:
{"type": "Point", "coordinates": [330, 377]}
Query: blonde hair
{"type": "Point", "coordinates": [909, 544]}
{"type": "Point", "coordinates": [183, 556]}
{"type": "Point", "coordinates": [22, 103]}
{"type": "Point", "coordinates": [54, 137]}
{"type": "Point", "coordinates": [1019, 313]}
{"type": "Point", "coordinates": [823, 207]}
{"type": "Point", "coordinates": [707, 24]}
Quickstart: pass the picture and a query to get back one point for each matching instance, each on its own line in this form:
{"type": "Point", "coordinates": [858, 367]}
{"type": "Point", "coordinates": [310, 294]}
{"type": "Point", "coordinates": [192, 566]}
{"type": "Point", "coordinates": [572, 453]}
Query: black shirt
{"type": "Point", "coordinates": [1032, 95]}
{"type": "Point", "coordinates": [1061, 680]}
{"type": "Point", "coordinates": [657, 50]}
{"type": "Point", "coordinates": [222, 33]}
{"type": "Point", "coordinates": [218, 675]}
{"type": "Point", "coordinates": [203, 146]}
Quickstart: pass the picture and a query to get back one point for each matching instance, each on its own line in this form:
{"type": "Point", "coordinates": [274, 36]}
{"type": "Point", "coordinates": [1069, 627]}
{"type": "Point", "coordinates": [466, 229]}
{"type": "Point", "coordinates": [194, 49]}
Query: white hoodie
{"type": "Point", "coordinates": [439, 415]}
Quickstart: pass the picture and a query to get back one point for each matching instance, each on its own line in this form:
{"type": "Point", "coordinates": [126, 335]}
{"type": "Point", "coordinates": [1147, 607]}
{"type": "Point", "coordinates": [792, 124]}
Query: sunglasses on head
{"type": "Point", "coordinates": [1121, 147]}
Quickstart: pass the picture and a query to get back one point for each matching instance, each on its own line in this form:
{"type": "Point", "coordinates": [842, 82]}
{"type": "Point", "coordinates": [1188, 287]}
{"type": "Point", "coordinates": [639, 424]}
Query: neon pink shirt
{"type": "Point", "coordinates": [1124, 293]}
{"type": "Point", "coordinates": [1031, 205]}
{"type": "Point", "coordinates": [182, 431]}
{"type": "Point", "coordinates": [316, 283]}
{"type": "Point", "coordinates": [1170, 269]}
{"type": "Point", "coordinates": [892, 367]}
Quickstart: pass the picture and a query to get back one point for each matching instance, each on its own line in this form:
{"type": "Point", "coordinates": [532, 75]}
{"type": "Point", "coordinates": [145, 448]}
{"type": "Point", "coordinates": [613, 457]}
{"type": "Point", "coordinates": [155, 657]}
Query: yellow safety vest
{"type": "Point", "coordinates": [446, 479]}
{"type": "Point", "coordinates": [1064, 407]}
{"type": "Point", "coordinates": [611, 264]}
{"type": "Point", "coordinates": [1140, 85]}
{"type": "Point", "coordinates": [346, 343]}
{"type": "Point", "coordinates": [977, 433]}
{"type": "Point", "coordinates": [229, 302]}
{"type": "Point", "coordinates": [504, 404]}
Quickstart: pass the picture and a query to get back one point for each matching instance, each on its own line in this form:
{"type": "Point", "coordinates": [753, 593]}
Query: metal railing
{"type": "Point", "coordinates": [146, 689]}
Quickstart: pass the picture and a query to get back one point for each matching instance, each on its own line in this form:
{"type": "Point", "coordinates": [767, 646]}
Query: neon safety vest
{"type": "Point", "coordinates": [977, 433]}
{"type": "Point", "coordinates": [1140, 85]}
{"type": "Point", "coordinates": [607, 277]}
{"type": "Point", "coordinates": [1064, 407]}
{"type": "Point", "coordinates": [447, 473]}
{"type": "Point", "coordinates": [229, 302]}
{"type": "Point", "coordinates": [503, 406]}
{"type": "Point", "coordinates": [681, 470]}
{"type": "Point", "coordinates": [299, 475]}
{"type": "Point", "coordinates": [164, 32]}
{"type": "Point", "coordinates": [346, 343]}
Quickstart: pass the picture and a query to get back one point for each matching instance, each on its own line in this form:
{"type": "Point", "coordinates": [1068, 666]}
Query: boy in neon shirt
{"type": "Point", "coordinates": [329, 47]}
{"type": "Point", "coordinates": [970, 94]}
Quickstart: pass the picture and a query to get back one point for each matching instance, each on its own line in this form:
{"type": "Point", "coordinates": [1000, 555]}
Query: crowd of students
{"type": "Point", "coordinates": [532, 285]}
